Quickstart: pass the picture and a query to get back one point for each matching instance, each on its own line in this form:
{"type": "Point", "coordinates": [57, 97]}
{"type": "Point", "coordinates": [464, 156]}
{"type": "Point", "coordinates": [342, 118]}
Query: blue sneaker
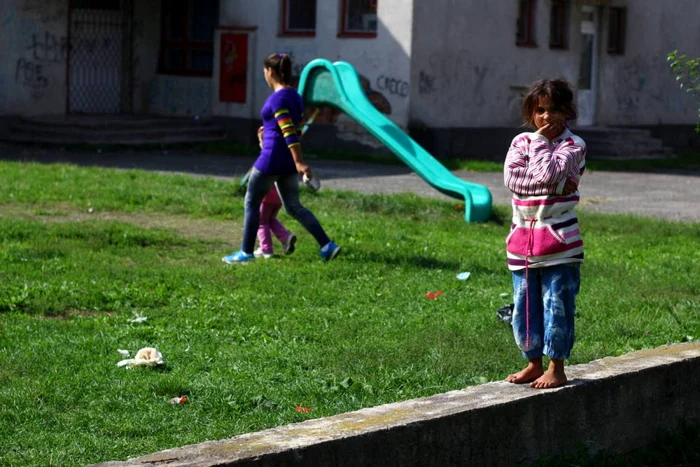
{"type": "Point", "coordinates": [329, 251]}
{"type": "Point", "coordinates": [238, 257]}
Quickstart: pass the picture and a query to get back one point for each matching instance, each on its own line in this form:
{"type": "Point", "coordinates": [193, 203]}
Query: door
{"type": "Point", "coordinates": [99, 57]}
{"type": "Point", "coordinates": [588, 73]}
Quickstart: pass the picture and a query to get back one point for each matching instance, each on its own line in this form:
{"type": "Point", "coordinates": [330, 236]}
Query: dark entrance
{"type": "Point", "coordinates": [99, 58]}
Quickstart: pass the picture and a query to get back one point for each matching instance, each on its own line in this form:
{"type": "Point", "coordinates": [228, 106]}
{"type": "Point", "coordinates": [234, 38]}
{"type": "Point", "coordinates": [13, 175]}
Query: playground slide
{"type": "Point", "coordinates": [337, 85]}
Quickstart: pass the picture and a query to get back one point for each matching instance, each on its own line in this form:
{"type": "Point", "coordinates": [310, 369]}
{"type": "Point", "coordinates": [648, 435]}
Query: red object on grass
{"type": "Point", "coordinates": [303, 409]}
{"type": "Point", "coordinates": [433, 295]}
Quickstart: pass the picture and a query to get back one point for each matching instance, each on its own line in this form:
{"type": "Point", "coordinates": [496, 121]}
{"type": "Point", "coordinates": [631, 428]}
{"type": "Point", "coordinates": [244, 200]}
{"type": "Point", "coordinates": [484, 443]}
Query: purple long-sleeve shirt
{"type": "Point", "coordinates": [282, 116]}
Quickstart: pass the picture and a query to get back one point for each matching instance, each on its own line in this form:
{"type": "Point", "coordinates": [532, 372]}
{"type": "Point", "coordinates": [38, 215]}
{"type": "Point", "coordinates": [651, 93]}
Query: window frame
{"type": "Point", "coordinates": [284, 29]}
{"type": "Point", "coordinates": [185, 44]}
{"type": "Point", "coordinates": [563, 22]}
{"type": "Point", "coordinates": [620, 27]}
{"type": "Point", "coordinates": [344, 32]}
{"type": "Point", "coordinates": [529, 39]}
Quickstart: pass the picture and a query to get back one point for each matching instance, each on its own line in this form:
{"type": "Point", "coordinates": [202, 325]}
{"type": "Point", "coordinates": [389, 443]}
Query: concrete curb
{"type": "Point", "coordinates": [616, 404]}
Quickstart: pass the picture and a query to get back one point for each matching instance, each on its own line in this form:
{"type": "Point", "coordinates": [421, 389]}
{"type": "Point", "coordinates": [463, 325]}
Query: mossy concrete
{"type": "Point", "coordinates": [616, 404]}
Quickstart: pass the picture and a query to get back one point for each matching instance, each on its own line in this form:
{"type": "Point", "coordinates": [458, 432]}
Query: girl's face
{"type": "Point", "coordinates": [268, 75]}
{"type": "Point", "coordinates": [546, 113]}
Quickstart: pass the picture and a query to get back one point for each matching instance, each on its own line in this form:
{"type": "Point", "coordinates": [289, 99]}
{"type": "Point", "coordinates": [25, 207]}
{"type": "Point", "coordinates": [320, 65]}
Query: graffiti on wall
{"type": "Point", "coordinates": [392, 85]}
{"type": "Point", "coordinates": [41, 52]}
{"type": "Point", "coordinates": [426, 83]}
{"type": "Point", "coordinates": [180, 96]}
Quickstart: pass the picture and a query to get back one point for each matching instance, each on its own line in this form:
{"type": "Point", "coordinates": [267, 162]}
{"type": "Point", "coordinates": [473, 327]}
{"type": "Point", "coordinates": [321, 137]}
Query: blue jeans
{"type": "Point", "coordinates": [548, 296]}
{"type": "Point", "coordinates": [288, 186]}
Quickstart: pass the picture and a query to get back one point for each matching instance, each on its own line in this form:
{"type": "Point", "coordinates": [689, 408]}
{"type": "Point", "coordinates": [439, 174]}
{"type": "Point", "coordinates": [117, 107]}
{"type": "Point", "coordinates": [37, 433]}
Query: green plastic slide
{"type": "Point", "coordinates": [337, 85]}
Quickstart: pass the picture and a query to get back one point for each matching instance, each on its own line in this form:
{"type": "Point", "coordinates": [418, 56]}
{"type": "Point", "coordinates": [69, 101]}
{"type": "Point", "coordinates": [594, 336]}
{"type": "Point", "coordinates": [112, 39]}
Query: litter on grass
{"type": "Point", "coordinates": [433, 295]}
{"type": "Point", "coordinates": [123, 353]}
{"type": "Point", "coordinates": [138, 318]}
{"type": "Point", "coordinates": [505, 314]}
{"type": "Point", "coordinates": [178, 400]}
{"type": "Point", "coordinates": [303, 409]}
{"type": "Point", "coordinates": [463, 276]}
{"type": "Point", "coordinates": [148, 356]}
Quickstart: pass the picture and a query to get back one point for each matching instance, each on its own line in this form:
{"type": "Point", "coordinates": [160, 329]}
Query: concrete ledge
{"type": "Point", "coordinates": [616, 404]}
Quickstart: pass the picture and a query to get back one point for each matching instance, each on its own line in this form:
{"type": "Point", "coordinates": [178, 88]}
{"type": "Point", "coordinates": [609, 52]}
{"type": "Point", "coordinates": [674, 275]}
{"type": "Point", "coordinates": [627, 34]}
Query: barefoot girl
{"type": "Point", "coordinates": [544, 247]}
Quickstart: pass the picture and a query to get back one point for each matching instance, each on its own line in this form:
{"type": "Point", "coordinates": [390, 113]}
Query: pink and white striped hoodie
{"type": "Point", "coordinates": [544, 230]}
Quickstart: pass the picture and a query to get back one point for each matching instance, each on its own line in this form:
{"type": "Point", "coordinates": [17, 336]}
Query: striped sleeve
{"type": "Point", "coordinates": [552, 166]}
{"type": "Point", "coordinates": [533, 168]}
{"type": "Point", "coordinates": [290, 132]}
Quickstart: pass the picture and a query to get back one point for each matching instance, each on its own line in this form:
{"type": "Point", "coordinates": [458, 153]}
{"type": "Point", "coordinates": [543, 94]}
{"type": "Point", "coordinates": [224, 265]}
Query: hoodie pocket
{"type": "Point", "coordinates": [540, 241]}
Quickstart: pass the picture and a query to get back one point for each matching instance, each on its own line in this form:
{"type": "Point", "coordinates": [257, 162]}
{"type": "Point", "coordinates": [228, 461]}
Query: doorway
{"type": "Point", "coordinates": [99, 59]}
{"type": "Point", "coordinates": [588, 72]}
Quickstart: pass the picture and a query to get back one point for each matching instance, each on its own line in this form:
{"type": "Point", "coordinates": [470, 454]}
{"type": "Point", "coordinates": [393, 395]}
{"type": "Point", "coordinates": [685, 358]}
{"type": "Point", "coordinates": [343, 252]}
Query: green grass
{"type": "Point", "coordinates": [248, 344]}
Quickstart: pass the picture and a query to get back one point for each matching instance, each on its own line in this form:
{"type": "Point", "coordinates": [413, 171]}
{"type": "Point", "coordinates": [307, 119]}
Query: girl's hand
{"type": "Point", "coordinates": [260, 137]}
{"type": "Point", "coordinates": [551, 130]}
{"type": "Point", "coordinates": [304, 169]}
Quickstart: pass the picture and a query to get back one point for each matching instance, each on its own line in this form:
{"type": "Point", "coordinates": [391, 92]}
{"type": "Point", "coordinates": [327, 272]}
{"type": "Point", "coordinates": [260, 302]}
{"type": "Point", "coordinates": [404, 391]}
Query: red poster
{"type": "Point", "coordinates": [234, 67]}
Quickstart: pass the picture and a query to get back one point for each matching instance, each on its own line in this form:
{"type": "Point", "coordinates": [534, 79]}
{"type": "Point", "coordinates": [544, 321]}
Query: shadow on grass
{"type": "Point", "coordinates": [419, 261]}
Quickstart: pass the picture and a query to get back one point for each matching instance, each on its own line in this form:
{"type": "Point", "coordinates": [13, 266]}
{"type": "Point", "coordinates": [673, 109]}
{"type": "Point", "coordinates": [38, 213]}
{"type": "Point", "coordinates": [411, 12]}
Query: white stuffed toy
{"type": "Point", "coordinates": [148, 356]}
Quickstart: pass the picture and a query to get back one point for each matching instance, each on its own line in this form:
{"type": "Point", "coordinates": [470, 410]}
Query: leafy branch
{"type": "Point", "coordinates": [687, 71]}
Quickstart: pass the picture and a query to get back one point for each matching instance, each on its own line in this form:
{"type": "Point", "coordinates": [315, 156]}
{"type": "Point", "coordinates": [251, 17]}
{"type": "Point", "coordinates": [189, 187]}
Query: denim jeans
{"type": "Point", "coordinates": [547, 296]}
{"type": "Point", "coordinates": [288, 186]}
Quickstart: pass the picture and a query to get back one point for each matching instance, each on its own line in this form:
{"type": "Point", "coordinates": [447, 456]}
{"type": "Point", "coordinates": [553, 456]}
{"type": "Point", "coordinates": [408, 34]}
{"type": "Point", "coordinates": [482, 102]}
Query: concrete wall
{"type": "Point", "coordinates": [616, 404]}
{"type": "Point", "coordinates": [146, 42]}
{"type": "Point", "coordinates": [33, 52]}
{"type": "Point", "coordinates": [638, 88]}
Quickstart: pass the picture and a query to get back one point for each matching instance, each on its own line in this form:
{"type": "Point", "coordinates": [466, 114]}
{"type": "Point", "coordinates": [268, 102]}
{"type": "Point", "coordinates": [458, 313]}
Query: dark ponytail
{"type": "Point", "coordinates": [281, 64]}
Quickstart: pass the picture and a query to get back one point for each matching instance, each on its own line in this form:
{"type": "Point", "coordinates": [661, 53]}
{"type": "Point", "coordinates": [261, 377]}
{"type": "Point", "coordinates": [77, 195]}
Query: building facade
{"type": "Point", "coordinates": [445, 70]}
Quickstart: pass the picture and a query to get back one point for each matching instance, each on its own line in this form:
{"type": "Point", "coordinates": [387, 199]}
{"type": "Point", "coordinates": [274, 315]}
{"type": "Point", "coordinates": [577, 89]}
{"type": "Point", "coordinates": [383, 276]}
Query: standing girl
{"type": "Point", "coordinates": [280, 162]}
{"type": "Point", "coordinates": [544, 247]}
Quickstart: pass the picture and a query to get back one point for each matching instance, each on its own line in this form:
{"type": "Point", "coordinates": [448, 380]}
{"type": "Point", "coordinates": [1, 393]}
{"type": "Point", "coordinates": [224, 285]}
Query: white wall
{"type": "Point", "coordinates": [384, 60]}
{"type": "Point", "coordinates": [33, 52]}
{"type": "Point", "coordinates": [467, 70]}
{"type": "Point", "coordinates": [639, 88]}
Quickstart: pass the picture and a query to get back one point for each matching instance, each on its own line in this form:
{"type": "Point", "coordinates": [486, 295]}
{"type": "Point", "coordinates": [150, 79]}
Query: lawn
{"type": "Point", "coordinates": [84, 251]}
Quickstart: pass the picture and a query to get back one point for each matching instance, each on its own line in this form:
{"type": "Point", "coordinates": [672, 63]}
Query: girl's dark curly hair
{"type": "Point", "coordinates": [558, 90]}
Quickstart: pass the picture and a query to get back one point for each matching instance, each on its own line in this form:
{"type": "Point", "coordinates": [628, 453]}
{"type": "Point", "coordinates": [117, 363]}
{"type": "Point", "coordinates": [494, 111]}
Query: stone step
{"type": "Point", "coordinates": [68, 141]}
{"type": "Point", "coordinates": [114, 121]}
{"type": "Point", "coordinates": [622, 143]}
{"type": "Point", "coordinates": [107, 133]}
{"type": "Point", "coordinates": [61, 130]}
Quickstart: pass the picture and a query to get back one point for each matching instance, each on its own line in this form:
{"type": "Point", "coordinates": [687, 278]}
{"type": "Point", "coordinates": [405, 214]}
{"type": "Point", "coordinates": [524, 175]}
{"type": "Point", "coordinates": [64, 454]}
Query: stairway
{"type": "Point", "coordinates": [131, 130]}
{"type": "Point", "coordinates": [622, 143]}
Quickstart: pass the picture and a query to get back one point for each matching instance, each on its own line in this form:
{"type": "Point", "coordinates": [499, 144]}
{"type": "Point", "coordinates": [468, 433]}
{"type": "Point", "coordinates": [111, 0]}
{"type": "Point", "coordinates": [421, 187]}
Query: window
{"type": "Point", "coordinates": [359, 18]}
{"type": "Point", "coordinates": [187, 36]}
{"type": "Point", "coordinates": [97, 4]}
{"type": "Point", "coordinates": [298, 17]}
{"type": "Point", "coordinates": [559, 24]}
{"type": "Point", "coordinates": [617, 29]}
{"type": "Point", "coordinates": [525, 33]}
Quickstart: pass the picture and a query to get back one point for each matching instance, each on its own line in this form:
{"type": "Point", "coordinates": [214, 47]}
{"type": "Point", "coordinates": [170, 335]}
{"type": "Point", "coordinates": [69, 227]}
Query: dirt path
{"type": "Point", "coordinates": [660, 195]}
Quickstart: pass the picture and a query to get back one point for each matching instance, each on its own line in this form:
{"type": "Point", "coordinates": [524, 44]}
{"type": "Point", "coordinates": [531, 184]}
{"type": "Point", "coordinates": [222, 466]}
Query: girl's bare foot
{"type": "Point", "coordinates": [552, 378]}
{"type": "Point", "coordinates": [530, 373]}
